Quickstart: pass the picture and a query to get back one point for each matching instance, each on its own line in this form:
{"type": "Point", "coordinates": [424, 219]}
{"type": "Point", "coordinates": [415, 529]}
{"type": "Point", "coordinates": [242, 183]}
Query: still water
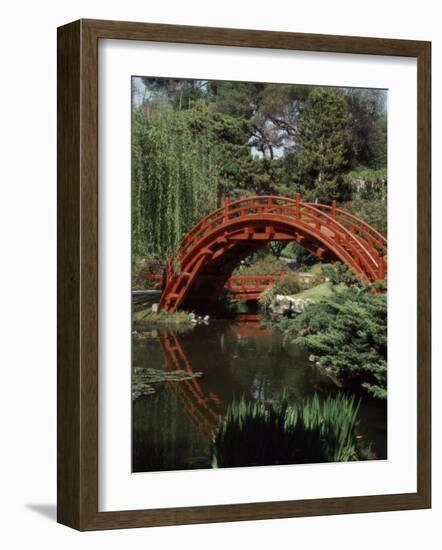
{"type": "Point", "coordinates": [174, 415]}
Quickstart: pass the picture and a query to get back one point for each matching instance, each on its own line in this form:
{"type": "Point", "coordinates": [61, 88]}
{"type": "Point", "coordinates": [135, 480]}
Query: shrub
{"type": "Point", "coordinates": [313, 431]}
{"type": "Point", "coordinates": [373, 212]}
{"type": "Point", "coordinates": [368, 184]}
{"type": "Point", "coordinates": [347, 333]}
{"type": "Point", "coordinates": [141, 266]}
{"type": "Point", "coordinates": [303, 258]}
{"type": "Point", "coordinates": [262, 265]}
{"type": "Point", "coordinates": [288, 285]}
{"type": "Point", "coordinates": [266, 298]}
{"type": "Point", "coordinates": [339, 274]}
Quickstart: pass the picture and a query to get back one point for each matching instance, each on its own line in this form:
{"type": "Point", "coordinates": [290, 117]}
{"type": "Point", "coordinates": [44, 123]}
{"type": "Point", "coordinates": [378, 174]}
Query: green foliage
{"type": "Point", "coordinates": [272, 109]}
{"type": "Point", "coordinates": [141, 266]}
{"type": "Point", "coordinates": [368, 184]}
{"type": "Point", "coordinates": [290, 284]}
{"type": "Point", "coordinates": [252, 433]}
{"type": "Point", "coordinates": [265, 299]}
{"type": "Point", "coordinates": [347, 333]}
{"type": "Point", "coordinates": [374, 212]}
{"type": "Point", "coordinates": [195, 141]}
{"type": "Point", "coordinates": [276, 248]}
{"type": "Point", "coordinates": [303, 257]}
{"type": "Point", "coordinates": [339, 274]}
{"type": "Point", "coordinates": [179, 93]}
{"type": "Point", "coordinates": [367, 129]}
{"type": "Point", "coordinates": [321, 145]}
{"type": "Point", "coordinates": [143, 317]}
{"type": "Point", "coordinates": [264, 265]}
{"type": "Point", "coordinates": [174, 181]}
{"type": "Point", "coordinates": [317, 268]}
{"type": "Point", "coordinates": [317, 292]}
{"type": "Point", "coordinates": [226, 137]}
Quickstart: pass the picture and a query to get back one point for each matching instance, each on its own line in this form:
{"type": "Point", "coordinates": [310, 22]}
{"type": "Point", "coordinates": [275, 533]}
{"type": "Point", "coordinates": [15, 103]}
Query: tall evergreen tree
{"type": "Point", "coordinates": [319, 155]}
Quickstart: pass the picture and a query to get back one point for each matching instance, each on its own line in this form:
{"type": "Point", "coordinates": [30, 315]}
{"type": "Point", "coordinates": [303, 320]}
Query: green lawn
{"type": "Point", "coordinates": [316, 269]}
{"type": "Point", "coordinates": [316, 293]}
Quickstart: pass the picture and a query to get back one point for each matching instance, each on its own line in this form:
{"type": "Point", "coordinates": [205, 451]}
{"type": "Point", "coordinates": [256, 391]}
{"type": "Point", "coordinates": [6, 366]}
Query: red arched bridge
{"type": "Point", "coordinates": [212, 249]}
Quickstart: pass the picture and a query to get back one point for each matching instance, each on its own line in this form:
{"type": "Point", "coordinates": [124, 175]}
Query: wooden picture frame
{"type": "Point", "coordinates": [78, 274]}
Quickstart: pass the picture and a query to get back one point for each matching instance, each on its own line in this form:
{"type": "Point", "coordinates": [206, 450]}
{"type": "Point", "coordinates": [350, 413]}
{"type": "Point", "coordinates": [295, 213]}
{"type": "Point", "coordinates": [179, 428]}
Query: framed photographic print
{"type": "Point", "coordinates": [243, 274]}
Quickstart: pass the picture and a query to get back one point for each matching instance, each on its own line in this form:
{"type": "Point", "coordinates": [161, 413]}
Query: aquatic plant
{"type": "Point", "coordinates": [312, 431]}
{"type": "Point", "coordinates": [144, 379]}
{"type": "Point", "coordinates": [335, 418]}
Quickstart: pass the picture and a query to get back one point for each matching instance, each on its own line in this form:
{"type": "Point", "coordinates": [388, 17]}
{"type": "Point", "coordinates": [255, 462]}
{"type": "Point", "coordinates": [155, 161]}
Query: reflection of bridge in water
{"type": "Point", "coordinates": [203, 410]}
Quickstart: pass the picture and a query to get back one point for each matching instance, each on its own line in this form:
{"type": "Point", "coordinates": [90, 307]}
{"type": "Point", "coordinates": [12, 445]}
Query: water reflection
{"type": "Point", "coordinates": [173, 423]}
{"type": "Point", "coordinates": [203, 411]}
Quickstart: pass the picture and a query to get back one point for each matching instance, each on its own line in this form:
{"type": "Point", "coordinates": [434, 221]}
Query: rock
{"type": "Point", "coordinates": [155, 308]}
{"type": "Point", "coordinates": [192, 318]}
{"type": "Point", "coordinates": [198, 319]}
{"type": "Point", "coordinates": [287, 306]}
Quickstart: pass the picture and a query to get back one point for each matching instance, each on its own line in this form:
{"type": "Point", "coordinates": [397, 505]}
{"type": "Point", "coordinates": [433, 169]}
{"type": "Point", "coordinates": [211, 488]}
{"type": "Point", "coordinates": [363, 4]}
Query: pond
{"type": "Point", "coordinates": [175, 413]}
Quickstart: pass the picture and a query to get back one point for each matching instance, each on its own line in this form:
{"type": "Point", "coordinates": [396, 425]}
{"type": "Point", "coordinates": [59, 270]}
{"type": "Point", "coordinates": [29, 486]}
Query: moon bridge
{"type": "Point", "coordinates": [211, 250]}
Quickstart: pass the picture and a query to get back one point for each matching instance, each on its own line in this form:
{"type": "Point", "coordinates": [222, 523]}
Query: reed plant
{"type": "Point", "coordinates": [312, 431]}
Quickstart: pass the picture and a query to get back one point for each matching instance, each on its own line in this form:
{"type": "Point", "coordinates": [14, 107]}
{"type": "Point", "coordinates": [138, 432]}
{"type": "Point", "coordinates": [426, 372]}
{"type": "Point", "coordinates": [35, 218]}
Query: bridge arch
{"type": "Point", "coordinates": [211, 250]}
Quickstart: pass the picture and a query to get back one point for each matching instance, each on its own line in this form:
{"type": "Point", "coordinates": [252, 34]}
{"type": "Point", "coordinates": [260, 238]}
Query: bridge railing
{"type": "Point", "coordinates": [251, 282]}
{"type": "Point", "coordinates": [155, 279]}
{"type": "Point", "coordinates": [355, 225]}
{"type": "Point", "coordinates": [283, 205]}
{"type": "Point", "coordinates": [341, 224]}
{"type": "Point", "coordinates": [235, 283]}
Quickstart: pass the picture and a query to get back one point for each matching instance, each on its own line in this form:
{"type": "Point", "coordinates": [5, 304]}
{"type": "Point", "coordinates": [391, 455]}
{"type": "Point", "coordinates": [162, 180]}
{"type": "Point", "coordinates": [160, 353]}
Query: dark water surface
{"type": "Point", "coordinates": [173, 419]}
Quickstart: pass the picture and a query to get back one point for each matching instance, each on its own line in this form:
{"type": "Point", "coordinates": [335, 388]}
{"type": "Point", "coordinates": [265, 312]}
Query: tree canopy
{"type": "Point", "coordinates": [195, 141]}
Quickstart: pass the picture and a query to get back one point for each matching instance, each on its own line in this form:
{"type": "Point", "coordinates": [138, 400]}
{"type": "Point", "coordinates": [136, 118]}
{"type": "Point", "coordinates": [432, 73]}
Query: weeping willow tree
{"type": "Point", "coordinates": [174, 180]}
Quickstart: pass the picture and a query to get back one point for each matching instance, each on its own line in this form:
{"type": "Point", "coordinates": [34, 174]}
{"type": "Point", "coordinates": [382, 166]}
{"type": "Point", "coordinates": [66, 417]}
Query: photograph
{"type": "Point", "coordinates": [259, 274]}
{"type": "Point", "coordinates": [227, 215]}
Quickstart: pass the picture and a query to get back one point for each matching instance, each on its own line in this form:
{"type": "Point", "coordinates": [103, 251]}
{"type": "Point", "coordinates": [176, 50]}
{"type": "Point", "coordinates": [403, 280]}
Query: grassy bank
{"type": "Point", "coordinates": [146, 318]}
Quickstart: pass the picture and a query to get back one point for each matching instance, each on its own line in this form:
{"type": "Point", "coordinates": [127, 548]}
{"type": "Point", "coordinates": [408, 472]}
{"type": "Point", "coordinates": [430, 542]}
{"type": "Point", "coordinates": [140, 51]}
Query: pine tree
{"type": "Point", "coordinates": [320, 149]}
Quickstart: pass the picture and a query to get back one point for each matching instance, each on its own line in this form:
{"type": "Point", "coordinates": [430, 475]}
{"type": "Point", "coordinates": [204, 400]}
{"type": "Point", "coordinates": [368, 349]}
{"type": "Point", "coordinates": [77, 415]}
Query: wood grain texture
{"type": "Point", "coordinates": [77, 385]}
{"type": "Point", "coordinates": [68, 276]}
{"type": "Point", "coordinates": [424, 274]}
